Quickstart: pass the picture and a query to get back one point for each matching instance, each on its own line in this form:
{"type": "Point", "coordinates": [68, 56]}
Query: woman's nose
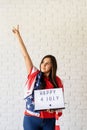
{"type": "Point", "coordinates": [44, 64]}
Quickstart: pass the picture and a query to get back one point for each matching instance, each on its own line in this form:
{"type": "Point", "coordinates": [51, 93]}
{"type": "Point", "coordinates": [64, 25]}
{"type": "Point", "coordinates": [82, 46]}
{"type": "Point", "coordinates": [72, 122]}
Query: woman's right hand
{"type": "Point", "coordinates": [15, 30]}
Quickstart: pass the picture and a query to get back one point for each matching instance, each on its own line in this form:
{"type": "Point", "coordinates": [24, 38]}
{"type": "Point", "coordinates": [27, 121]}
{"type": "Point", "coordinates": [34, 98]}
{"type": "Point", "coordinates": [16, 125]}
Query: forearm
{"type": "Point", "coordinates": [22, 45]}
{"type": "Point", "coordinates": [25, 54]}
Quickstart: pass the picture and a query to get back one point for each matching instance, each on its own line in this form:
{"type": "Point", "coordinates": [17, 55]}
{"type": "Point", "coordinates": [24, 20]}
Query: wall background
{"type": "Point", "coordinates": [57, 27]}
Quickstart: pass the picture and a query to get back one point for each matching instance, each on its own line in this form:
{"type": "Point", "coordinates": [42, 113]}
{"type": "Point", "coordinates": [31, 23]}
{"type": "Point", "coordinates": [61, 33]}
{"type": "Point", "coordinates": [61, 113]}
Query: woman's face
{"type": "Point", "coordinates": [46, 66]}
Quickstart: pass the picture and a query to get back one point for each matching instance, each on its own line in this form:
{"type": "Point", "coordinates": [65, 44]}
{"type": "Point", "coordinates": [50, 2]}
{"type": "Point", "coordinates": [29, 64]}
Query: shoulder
{"type": "Point", "coordinates": [33, 72]}
{"type": "Point", "coordinates": [59, 82]}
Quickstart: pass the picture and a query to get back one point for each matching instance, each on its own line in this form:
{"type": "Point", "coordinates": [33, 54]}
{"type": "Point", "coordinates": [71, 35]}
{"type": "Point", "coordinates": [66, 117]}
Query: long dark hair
{"type": "Point", "coordinates": [52, 75]}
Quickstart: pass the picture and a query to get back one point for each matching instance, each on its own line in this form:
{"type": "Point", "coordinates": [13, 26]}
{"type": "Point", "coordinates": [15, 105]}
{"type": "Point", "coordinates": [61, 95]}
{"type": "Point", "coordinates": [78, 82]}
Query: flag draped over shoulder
{"type": "Point", "coordinates": [33, 83]}
{"type": "Point", "coordinates": [29, 86]}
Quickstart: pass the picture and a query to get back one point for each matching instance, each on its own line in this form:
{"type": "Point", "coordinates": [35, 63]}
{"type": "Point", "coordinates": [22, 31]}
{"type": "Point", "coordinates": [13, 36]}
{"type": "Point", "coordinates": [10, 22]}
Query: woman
{"type": "Point", "coordinates": [45, 78]}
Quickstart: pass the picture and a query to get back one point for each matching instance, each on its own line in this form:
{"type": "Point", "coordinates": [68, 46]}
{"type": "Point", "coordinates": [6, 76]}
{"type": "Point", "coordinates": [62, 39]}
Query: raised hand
{"type": "Point", "coordinates": [15, 30]}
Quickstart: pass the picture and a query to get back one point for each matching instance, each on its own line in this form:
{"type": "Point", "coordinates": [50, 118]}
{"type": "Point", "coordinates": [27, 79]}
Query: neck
{"type": "Point", "coordinates": [46, 74]}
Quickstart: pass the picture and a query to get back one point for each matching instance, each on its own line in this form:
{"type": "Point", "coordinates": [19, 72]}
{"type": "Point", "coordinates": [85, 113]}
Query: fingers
{"type": "Point", "coordinates": [50, 111]}
{"type": "Point", "coordinates": [15, 29]}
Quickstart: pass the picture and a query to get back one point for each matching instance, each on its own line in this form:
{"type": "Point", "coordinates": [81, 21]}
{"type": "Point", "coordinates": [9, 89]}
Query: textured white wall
{"type": "Point", "coordinates": [57, 27]}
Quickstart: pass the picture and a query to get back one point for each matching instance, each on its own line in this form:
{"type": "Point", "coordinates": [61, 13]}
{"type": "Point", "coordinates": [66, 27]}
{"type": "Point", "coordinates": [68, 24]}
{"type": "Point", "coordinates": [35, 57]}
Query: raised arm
{"type": "Point", "coordinates": [25, 54]}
